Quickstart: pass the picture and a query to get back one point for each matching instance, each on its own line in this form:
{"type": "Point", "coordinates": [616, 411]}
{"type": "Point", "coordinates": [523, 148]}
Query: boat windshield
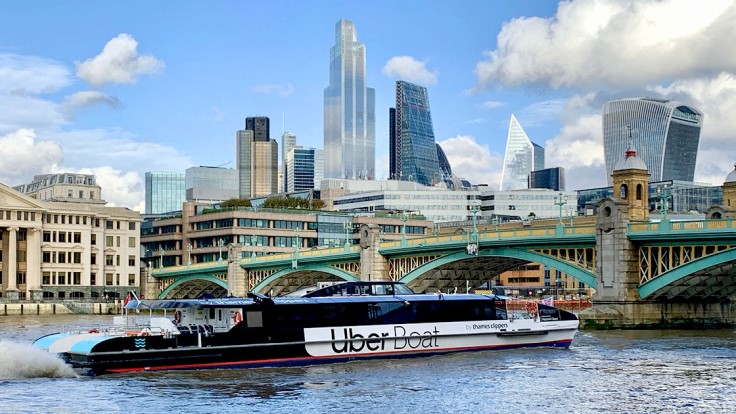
{"type": "Point", "coordinates": [362, 289]}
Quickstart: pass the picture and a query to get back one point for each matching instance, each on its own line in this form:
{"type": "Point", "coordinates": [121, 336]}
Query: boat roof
{"type": "Point", "coordinates": [289, 300]}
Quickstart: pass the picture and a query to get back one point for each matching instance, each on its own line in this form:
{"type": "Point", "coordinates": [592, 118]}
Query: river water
{"type": "Point", "coordinates": [690, 371]}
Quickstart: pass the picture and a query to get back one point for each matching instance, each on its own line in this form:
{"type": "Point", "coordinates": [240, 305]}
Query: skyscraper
{"type": "Point", "coordinates": [522, 157]}
{"type": "Point", "coordinates": [288, 142]}
{"type": "Point", "coordinates": [303, 168]}
{"type": "Point", "coordinates": [445, 167]}
{"type": "Point", "coordinates": [665, 132]}
{"type": "Point", "coordinates": [414, 152]}
{"type": "Point", "coordinates": [258, 159]}
{"type": "Point", "coordinates": [165, 191]}
{"type": "Point", "coordinates": [549, 178]}
{"type": "Point", "coordinates": [349, 110]}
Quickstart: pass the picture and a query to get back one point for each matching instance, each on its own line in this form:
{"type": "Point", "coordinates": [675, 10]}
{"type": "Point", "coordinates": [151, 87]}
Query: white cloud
{"type": "Point", "coordinates": [31, 75]}
{"type": "Point", "coordinates": [409, 69]}
{"type": "Point", "coordinates": [85, 99]}
{"type": "Point", "coordinates": [614, 43]}
{"type": "Point", "coordinates": [473, 161]}
{"type": "Point", "coordinates": [579, 150]}
{"type": "Point", "coordinates": [20, 112]}
{"type": "Point", "coordinates": [274, 89]}
{"type": "Point", "coordinates": [119, 62]}
{"type": "Point", "coordinates": [119, 188]}
{"type": "Point", "coordinates": [23, 156]}
{"type": "Point", "coordinates": [493, 104]}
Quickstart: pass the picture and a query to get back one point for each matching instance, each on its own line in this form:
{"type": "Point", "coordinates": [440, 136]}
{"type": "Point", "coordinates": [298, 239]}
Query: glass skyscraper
{"type": "Point", "coordinates": [303, 167]}
{"type": "Point", "coordinates": [665, 133]}
{"type": "Point", "coordinates": [522, 157]}
{"type": "Point", "coordinates": [549, 178]}
{"type": "Point", "coordinates": [413, 150]}
{"type": "Point", "coordinates": [349, 110]}
{"type": "Point", "coordinates": [258, 159]}
{"type": "Point", "coordinates": [165, 191]}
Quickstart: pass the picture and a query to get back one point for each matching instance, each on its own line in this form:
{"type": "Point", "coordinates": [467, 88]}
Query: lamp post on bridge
{"type": "Point", "coordinates": [404, 218]}
{"type": "Point", "coordinates": [189, 254]}
{"type": "Point", "coordinates": [219, 244]}
{"type": "Point", "coordinates": [560, 200]}
{"type": "Point", "coordinates": [473, 239]}
{"type": "Point", "coordinates": [347, 226]}
{"type": "Point", "coordinates": [664, 195]}
{"type": "Point", "coordinates": [295, 255]}
{"type": "Point", "coordinates": [161, 257]}
{"type": "Point", "coordinates": [253, 242]}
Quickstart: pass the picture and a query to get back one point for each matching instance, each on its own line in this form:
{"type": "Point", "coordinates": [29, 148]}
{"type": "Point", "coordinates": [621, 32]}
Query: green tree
{"type": "Point", "coordinates": [235, 202]}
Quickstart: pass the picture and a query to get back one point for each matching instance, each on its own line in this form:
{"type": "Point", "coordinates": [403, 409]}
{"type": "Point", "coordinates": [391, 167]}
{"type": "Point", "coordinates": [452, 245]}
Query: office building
{"type": "Point", "coordinates": [444, 163]}
{"type": "Point", "coordinates": [549, 178]}
{"type": "Point", "coordinates": [522, 157]}
{"type": "Point", "coordinates": [303, 169]}
{"type": "Point", "coordinates": [211, 184]}
{"type": "Point", "coordinates": [261, 127]}
{"type": "Point", "coordinates": [165, 191]}
{"type": "Point", "coordinates": [288, 142]}
{"type": "Point", "coordinates": [665, 133]}
{"type": "Point", "coordinates": [258, 159]}
{"type": "Point", "coordinates": [64, 187]}
{"type": "Point", "coordinates": [349, 110]}
{"type": "Point", "coordinates": [412, 137]}
{"type": "Point", "coordinates": [66, 250]}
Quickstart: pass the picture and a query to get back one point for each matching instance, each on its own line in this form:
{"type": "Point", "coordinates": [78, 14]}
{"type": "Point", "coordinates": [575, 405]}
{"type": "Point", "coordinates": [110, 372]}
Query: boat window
{"type": "Point", "coordinates": [254, 319]}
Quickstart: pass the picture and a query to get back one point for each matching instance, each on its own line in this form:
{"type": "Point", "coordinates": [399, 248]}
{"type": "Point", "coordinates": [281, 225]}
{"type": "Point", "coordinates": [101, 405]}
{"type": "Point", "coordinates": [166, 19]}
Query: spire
{"type": "Point", "coordinates": [631, 150]}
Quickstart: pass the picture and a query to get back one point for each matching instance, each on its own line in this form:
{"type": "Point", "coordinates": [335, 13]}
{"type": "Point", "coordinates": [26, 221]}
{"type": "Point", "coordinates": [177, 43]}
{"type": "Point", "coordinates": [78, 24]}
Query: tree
{"type": "Point", "coordinates": [235, 202]}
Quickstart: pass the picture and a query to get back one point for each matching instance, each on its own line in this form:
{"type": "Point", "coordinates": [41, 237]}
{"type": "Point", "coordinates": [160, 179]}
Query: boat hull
{"type": "Point", "coordinates": [99, 354]}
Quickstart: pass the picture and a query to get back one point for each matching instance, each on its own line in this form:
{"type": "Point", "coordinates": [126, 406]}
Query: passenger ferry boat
{"type": "Point", "coordinates": [342, 322]}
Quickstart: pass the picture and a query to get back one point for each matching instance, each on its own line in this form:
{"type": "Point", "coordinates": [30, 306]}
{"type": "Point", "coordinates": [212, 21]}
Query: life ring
{"type": "Point", "coordinates": [93, 331]}
{"type": "Point", "coordinates": [237, 317]}
{"type": "Point", "coordinates": [531, 309]}
{"type": "Point", "coordinates": [143, 334]}
{"type": "Point", "coordinates": [177, 316]}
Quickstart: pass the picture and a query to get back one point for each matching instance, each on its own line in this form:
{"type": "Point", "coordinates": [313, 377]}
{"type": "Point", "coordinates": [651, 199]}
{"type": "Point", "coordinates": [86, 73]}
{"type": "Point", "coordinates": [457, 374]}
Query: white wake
{"type": "Point", "coordinates": [18, 361]}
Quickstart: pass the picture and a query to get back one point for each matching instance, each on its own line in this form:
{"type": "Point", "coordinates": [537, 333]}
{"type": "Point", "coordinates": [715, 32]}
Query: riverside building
{"type": "Point", "coordinates": [63, 250]}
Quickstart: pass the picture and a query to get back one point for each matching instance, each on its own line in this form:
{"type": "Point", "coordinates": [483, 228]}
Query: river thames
{"type": "Point", "coordinates": [690, 371]}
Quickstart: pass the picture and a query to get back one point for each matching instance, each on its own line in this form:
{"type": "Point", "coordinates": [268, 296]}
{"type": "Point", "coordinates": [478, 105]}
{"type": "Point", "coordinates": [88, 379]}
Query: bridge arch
{"type": "Point", "coordinates": [702, 271]}
{"type": "Point", "coordinates": [309, 274]}
{"type": "Point", "coordinates": [179, 282]}
{"type": "Point", "coordinates": [578, 273]}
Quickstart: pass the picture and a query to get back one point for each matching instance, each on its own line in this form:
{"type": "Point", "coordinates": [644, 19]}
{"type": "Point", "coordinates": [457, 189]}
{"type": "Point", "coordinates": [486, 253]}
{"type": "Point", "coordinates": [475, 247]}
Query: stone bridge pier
{"type": "Point", "coordinates": [617, 303]}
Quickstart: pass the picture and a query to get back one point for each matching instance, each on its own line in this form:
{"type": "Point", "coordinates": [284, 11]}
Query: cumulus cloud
{"type": "Point", "coordinates": [614, 43]}
{"type": "Point", "coordinates": [24, 155]}
{"type": "Point", "coordinates": [85, 99]}
{"type": "Point", "coordinates": [274, 89]}
{"type": "Point", "coordinates": [119, 62]}
{"type": "Point", "coordinates": [473, 161]}
{"type": "Point", "coordinates": [119, 188]}
{"type": "Point", "coordinates": [409, 69]}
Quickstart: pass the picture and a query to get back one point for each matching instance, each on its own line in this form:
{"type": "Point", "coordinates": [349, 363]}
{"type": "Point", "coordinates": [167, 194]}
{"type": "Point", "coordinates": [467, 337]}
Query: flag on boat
{"type": "Point", "coordinates": [127, 299]}
{"type": "Point", "coordinates": [548, 301]}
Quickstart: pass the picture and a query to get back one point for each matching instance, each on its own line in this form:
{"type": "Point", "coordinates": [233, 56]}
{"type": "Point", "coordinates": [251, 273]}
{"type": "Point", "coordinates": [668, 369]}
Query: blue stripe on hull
{"type": "Point", "coordinates": [302, 361]}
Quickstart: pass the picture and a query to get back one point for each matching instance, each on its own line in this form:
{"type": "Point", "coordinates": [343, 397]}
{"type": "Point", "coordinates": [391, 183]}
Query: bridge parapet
{"type": "Point", "coordinates": [714, 228]}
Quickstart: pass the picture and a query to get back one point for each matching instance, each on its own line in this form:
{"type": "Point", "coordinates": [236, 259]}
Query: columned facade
{"type": "Point", "coordinates": [64, 250]}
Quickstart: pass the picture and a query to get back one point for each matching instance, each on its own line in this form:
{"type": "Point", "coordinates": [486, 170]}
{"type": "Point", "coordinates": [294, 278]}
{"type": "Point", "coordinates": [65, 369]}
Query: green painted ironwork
{"type": "Point", "coordinates": [324, 269]}
{"type": "Point", "coordinates": [181, 280]}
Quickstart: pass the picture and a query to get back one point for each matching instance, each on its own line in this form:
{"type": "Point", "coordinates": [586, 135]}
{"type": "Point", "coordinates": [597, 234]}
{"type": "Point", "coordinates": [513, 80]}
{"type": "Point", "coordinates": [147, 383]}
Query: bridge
{"type": "Point", "coordinates": [626, 262]}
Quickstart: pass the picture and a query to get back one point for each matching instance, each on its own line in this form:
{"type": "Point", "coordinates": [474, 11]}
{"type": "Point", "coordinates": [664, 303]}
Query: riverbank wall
{"type": "Point", "coordinates": [60, 308]}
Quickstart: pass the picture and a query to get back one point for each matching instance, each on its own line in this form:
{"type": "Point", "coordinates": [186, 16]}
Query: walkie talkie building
{"type": "Point", "coordinates": [665, 133]}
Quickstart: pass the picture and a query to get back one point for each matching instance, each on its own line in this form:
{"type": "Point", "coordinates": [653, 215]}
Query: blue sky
{"type": "Point", "coordinates": [120, 88]}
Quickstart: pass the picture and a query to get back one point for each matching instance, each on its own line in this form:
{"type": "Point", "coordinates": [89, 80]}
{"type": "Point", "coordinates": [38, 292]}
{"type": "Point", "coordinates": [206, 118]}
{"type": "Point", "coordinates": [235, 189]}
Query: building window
{"type": "Point", "coordinates": [47, 237]}
{"type": "Point", "coordinates": [21, 255]}
{"type": "Point", "coordinates": [131, 225]}
{"type": "Point", "coordinates": [108, 241]}
{"type": "Point", "coordinates": [77, 257]}
{"type": "Point", "coordinates": [93, 278]}
{"type": "Point", "coordinates": [62, 257]}
{"type": "Point", "coordinates": [46, 279]}
{"type": "Point", "coordinates": [117, 241]}
{"type": "Point", "coordinates": [117, 260]}
{"type": "Point", "coordinates": [20, 278]}
{"type": "Point", "coordinates": [93, 239]}
{"type": "Point", "coordinates": [77, 237]}
{"type": "Point", "coordinates": [77, 278]}
{"type": "Point", "coordinates": [81, 195]}
{"type": "Point", "coordinates": [61, 278]}
{"type": "Point", "coordinates": [109, 260]}
{"type": "Point", "coordinates": [93, 259]}
{"type": "Point", "coordinates": [108, 224]}
{"type": "Point", "coordinates": [131, 279]}
{"type": "Point", "coordinates": [108, 279]}
{"type": "Point", "coordinates": [131, 241]}
{"type": "Point", "coordinates": [131, 260]}
{"type": "Point", "coordinates": [46, 257]}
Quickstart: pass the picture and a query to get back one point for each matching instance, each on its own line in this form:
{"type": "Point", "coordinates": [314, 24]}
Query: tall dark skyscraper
{"type": "Point", "coordinates": [549, 178]}
{"type": "Point", "coordinates": [666, 134]}
{"type": "Point", "coordinates": [261, 127]}
{"type": "Point", "coordinates": [413, 153]}
{"type": "Point", "coordinates": [349, 110]}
